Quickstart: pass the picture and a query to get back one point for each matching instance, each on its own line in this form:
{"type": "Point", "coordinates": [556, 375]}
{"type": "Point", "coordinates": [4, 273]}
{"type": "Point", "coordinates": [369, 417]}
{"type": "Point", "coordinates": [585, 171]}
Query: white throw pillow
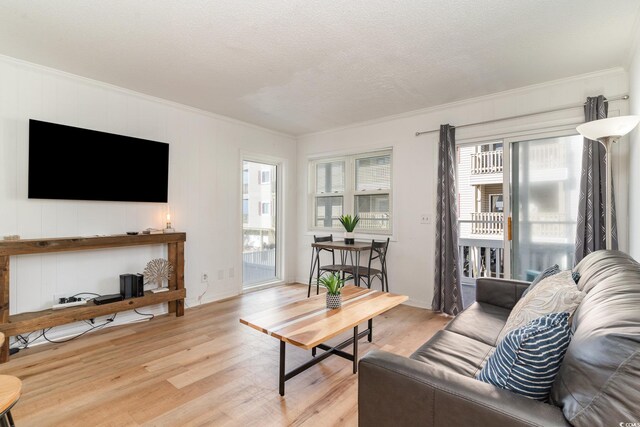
{"type": "Point", "coordinates": [554, 294]}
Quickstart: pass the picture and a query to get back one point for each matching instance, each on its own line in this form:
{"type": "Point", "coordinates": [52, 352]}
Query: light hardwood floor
{"type": "Point", "coordinates": [202, 369]}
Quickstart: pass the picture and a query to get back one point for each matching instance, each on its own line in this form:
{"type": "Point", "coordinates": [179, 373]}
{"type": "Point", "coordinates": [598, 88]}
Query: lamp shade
{"type": "Point", "coordinates": [613, 126]}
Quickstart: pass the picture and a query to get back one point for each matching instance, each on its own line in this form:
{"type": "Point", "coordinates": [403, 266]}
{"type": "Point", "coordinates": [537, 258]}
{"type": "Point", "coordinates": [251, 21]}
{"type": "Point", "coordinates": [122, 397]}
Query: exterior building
{"type": "Point", "coordinates": [480, 213]}
{"type": "Point", "coordinates": [258, 205]}
{"type": "Point", "coordinates": [259, 222]}
{"type": "Point", "coordinates": [545, 180]}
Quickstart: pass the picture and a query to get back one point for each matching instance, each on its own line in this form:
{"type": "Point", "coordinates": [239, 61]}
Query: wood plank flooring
{"type": "Point", "coordinates": [203, 369]}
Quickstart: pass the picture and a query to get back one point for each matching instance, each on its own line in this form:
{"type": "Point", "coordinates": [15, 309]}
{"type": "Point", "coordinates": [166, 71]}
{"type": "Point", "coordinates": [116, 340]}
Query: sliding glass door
{"type": "Point", "coordinates": [259, 223]}
{"type": "Point", "coordinates": [545, 180]}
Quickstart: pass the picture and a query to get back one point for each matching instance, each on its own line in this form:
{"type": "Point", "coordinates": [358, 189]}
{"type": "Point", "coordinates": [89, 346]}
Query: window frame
{"type": "Point", "coordinates": [349, 194]}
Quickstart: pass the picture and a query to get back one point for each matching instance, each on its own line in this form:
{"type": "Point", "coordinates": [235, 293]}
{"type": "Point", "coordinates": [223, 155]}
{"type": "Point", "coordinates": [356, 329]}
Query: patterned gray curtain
{"type": "Point", "coordinates": [590, 235]}
{"type": "Point", "coordinates": [447, 296]}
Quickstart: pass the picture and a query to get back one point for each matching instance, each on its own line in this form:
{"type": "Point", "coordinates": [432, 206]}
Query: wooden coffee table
{"type": "Point", "coordinates": [308, 324]}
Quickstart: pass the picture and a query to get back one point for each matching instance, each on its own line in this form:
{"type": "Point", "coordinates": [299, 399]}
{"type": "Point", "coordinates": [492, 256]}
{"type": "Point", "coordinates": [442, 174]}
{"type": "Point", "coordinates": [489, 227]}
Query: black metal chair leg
{"type": "Point", "coordinates": [314, 261]}
{"type": "Point", "coordinates": [6, 419]}
{"type": "Point", "coordinates": [385, 279]}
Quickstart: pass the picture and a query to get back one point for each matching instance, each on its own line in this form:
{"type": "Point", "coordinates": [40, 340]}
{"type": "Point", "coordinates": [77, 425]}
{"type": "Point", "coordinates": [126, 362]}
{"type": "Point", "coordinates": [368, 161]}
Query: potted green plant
{"type": "Point", "coordinates": [349, 223]}
{"type": "Point", "coordinates": [333, 283]}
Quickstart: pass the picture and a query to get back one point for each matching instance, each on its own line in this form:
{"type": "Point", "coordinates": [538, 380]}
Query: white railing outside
{"type": "Point", "coordinates": [373, 221]}
{"type": "Point", "coordinates": [486, 162]}
{"type": "Point", "coordinates": [487, 223]}
{"type": "Point", "coordinates": [546, 156]}
{"type": "Point", "coordinates": [548, 226]}
{"type": "Point", "coordinates": [258, 266]}
{"type": "Point", "coordinates": [480, 258]}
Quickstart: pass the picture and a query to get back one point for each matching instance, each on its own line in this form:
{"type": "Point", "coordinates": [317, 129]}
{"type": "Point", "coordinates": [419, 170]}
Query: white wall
{"type": "Point", "coordinates": [204, 187]}
{"type": "Point", "coordinates": [634, 179]}
{"type": "Point", "coordinates": [205, 191]}
{"type": "Point", "coordinates": [411, 261]}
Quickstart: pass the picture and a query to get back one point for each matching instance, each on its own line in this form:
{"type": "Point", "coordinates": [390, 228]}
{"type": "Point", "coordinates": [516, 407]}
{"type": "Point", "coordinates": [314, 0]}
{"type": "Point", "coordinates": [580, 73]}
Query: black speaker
{"type": "Point", "coordinates": [140, 283]}
{"type": "Point", "coordinates": [131, 285]}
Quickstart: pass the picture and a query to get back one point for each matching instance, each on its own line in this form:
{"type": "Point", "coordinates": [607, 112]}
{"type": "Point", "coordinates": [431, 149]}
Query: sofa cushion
{"type": "Point", "coordinates": [547, 272]}
{"type": "Point", "coordinates": [527, 360]}
{"type": "Point", "coordinates": [598, 381]}
{"type": "Point", "coordinates": [555, 294]}
{"type": "Point", "coordinates": [454, 353]}
{"type": "Point", "coordinates": [480, 321]}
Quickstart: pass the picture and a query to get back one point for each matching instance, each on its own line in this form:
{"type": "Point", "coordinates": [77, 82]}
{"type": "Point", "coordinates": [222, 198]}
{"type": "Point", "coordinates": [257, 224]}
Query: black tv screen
{"type": "Point", "coordinates": [71, 163]}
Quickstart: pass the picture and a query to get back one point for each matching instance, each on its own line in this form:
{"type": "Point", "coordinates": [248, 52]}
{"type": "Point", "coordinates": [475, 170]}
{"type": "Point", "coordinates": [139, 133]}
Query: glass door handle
{"type": "Point", "coordinates": [509, 235]}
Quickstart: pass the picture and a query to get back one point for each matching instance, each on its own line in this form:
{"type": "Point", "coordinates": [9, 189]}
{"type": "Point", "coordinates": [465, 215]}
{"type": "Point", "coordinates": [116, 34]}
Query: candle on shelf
{"type": "Point", "coordinates": [169, 229]}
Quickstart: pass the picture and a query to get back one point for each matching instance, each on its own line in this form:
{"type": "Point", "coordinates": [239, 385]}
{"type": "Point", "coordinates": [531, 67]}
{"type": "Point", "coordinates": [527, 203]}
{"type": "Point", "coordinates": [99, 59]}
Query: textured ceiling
{"type": "Point", "coordinates": [301, 66]}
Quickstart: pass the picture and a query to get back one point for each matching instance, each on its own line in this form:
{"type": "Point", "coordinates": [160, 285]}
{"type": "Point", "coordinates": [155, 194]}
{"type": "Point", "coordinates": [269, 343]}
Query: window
{"type": "Point", "coordinates": [359, 184]}
{"type": "Point", "coordinates": [264, 177]}
{"type": "Point", "coordinates": [261, 257]}
{"type": "Point", "coordinates": [329, 185]}
{"type": "Point", "coordinates": [245, 181]}
{"type": "Point", "coordinates": [497, 204]}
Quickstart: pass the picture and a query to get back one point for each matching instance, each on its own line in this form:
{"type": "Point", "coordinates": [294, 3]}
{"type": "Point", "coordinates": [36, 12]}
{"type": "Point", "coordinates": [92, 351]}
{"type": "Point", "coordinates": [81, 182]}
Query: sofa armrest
{"type": "Point", "coordinates": [501, 292]}
{"type": "Point", "coordinates": [397, 391]}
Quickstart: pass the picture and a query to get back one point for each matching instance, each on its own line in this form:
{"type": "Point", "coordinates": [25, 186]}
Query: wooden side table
{"type": "Point", "coordinates": [10, 390]}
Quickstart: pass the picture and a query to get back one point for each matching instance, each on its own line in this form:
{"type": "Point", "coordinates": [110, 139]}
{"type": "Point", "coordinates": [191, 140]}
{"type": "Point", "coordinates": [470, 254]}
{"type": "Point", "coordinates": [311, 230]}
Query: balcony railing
{"type": "Point", "coordinates": [478, 258]}
{"type": "Point", "coordinates": [487, 223]}
{"type": "Point", "coordinates": [258, 266]}
{"type": "Point", "coordinates": [547, 156]}
{"type": "Point", "coordinates": [540, 157]}
{"type": "Point", "coordinates": [486, 162]}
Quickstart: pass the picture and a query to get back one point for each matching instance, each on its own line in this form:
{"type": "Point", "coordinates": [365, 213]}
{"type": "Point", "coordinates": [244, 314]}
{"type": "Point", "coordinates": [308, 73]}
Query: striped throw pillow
{"type": "Point", "coordinates": [527, 360]}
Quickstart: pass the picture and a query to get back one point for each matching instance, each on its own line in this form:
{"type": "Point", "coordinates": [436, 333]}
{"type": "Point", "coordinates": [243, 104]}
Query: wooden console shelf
{"type": "Point", "coordinates": [32, 321]}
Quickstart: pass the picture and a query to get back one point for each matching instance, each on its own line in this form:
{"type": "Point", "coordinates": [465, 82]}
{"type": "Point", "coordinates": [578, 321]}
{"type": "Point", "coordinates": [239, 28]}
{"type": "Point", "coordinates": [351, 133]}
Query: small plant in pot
{"type": "Point", "coordinates": [333, 283]}
{"type": "Point", "coordinates": [349, 223]}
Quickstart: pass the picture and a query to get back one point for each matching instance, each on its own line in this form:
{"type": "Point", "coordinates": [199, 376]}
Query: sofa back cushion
{"type": "Point", "coordinates": [598, 380]}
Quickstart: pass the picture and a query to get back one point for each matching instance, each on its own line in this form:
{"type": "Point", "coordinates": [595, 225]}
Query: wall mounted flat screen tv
{"type": "Point", "coordinates": [71, 163]}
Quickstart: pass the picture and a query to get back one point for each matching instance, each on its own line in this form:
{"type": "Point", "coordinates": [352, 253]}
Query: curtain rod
{"type": "Point", "coordinates": [568, 107]}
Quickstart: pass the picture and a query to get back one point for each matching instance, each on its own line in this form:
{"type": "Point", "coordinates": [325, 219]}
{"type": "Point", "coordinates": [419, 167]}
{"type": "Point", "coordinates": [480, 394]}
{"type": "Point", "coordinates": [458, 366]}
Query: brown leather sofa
{"type": "Point", "coordinates": [598, 383]}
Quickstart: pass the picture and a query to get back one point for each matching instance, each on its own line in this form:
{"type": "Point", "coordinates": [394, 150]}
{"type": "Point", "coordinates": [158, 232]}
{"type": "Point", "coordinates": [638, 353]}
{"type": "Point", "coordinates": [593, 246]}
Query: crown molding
{"type": "Point", "coordinates": [140, 95]}
{"type": "Point", "coordinates": [469, 101]}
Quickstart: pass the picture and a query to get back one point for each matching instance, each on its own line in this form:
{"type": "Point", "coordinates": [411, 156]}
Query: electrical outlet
{"type": "Point", "coordinates": [220, 274]}
{"type": "Point", "coordinates": [232, 273]}
{"type": "Point", "coordinates": [425, 219]}
{"type": "Point", "coordinates": [204, 278]}
{"type": "Point", "coordinates": [65, 298]}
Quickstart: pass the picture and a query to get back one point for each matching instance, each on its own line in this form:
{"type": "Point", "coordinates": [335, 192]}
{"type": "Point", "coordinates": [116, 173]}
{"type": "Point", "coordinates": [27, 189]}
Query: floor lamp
{"type": "Point", "coordinates": [608, 131]}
